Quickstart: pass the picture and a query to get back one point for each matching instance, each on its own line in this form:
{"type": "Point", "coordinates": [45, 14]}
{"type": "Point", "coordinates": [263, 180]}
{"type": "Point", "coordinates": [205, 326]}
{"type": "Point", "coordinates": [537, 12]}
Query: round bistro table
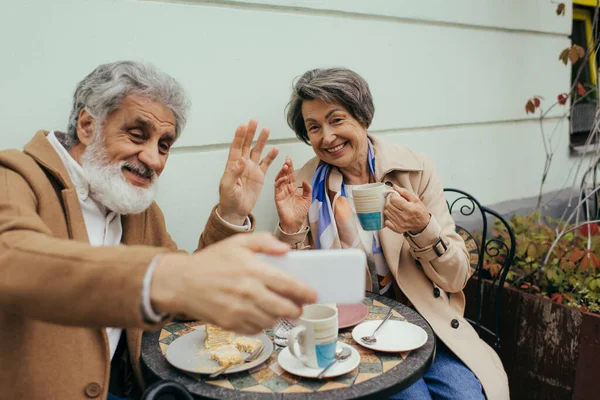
{"type": "Point", "coordinates": [379, 374]}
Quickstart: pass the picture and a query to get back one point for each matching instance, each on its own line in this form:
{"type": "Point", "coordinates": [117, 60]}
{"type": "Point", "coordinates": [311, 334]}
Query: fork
{"type": "Point", "coordinates": [250, 358]}
{"type": "Point", "coordinates": [281, 331]}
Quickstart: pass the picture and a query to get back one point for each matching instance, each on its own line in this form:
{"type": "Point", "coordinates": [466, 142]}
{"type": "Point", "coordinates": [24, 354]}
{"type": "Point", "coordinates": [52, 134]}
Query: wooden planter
{"type": "Point", "coordinates": [549, 351]}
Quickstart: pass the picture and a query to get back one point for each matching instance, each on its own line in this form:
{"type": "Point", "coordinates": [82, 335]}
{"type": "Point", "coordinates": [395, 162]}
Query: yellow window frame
{"type": "Point", "coordinates": [586, 16]}
{"type": "Point", "coordinates": [587, 3]}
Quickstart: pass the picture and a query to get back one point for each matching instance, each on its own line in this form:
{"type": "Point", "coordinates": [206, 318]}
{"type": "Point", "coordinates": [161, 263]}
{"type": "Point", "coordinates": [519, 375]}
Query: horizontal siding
{"type": "Point", "coordinates": [237, 64]}
{"type": "Point", "coordinates": [526, 15]}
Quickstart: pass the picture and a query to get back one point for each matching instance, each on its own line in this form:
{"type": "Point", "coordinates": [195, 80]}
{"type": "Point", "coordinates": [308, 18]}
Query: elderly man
{"type": "Point", "coordinates": [86, 262]}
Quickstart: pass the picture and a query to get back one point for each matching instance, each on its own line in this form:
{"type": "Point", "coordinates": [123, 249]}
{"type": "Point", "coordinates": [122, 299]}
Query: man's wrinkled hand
{"type": "Point", "coordinates": [244, 174]}
{"type": "Point", "coordinates": [227, 285]}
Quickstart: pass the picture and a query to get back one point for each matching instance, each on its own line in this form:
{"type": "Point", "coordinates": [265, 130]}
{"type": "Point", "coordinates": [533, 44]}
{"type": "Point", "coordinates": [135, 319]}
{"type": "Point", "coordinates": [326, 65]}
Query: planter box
{"type": "Point", "coordinates": [549, 351]}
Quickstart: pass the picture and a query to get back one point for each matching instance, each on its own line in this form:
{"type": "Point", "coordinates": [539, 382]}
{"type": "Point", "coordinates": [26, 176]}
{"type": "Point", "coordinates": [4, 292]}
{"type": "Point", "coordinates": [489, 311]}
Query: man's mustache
{"type": "Point", "coordinates": [140, 169]}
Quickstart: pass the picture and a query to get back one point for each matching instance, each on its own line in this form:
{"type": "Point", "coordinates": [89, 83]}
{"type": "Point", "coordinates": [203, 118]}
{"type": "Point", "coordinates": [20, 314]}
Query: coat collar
{"type": "Point", "coordinates": [391, 157]}
{"type": "Point", "coordinates": [40, 149]}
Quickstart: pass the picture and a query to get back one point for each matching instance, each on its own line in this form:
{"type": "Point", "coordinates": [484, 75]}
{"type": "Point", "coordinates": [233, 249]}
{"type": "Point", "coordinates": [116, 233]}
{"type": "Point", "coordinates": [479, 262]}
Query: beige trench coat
{"type": "Point", "coordinates": [432, 284]}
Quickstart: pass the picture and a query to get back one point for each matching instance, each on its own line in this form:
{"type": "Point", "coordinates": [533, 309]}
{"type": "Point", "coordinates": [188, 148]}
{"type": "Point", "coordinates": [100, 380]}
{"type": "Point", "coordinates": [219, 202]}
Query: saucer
{"type": "Point", "coordinates": [351, 314]}
{"type": "Point", "coordinates": [294, 366]}
{"type": "Point", "coordinates": [394, 336]}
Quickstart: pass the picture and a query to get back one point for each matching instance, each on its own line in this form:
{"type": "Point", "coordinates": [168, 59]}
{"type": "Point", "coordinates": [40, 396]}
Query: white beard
{"type": "Point", "coordinates": [108, 185]}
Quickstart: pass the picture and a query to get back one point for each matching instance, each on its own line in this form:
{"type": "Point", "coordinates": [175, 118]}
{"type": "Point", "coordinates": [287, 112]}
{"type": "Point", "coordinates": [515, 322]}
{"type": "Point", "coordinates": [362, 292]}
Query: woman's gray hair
{"type": "Point", "coordinates": [339, 86]}
{"type": "Point", "coordinates": [103, 90]}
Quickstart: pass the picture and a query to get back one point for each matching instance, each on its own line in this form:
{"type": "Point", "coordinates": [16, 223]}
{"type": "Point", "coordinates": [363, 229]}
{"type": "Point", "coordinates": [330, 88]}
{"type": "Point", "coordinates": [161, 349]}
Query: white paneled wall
{"type": "Point", "coordinates": [529, 15]}
{"type": "Point", "coordinates": [449, 78]}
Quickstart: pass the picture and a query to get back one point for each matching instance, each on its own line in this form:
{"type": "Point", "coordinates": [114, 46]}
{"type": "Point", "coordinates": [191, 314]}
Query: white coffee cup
{"type": "Point", "coordinates": [314, 340]}
{"type": "Point", "coordinates": [369, 202]}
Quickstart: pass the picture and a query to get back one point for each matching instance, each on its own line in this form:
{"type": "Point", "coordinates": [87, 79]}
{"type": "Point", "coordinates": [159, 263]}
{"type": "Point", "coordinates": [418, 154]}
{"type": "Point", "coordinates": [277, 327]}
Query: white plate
{"type": "Point", "coordinates": [187, 353]}
{"type": "Point", "coordinates": [394, 336]}
{"type": "Point", "coordinates": [294, 366]}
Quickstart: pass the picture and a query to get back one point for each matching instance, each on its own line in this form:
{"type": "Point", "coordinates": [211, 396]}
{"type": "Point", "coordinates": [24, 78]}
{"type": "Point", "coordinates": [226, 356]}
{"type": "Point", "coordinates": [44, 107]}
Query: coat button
{"type": "Point", "coordinates": [388, 183]}
{"type": "Point", "coordinates": [93, 390]}
{"type": "Point", "coordinates": [454, 323]}
{"type": "Point", "coordinates": [436, 293]}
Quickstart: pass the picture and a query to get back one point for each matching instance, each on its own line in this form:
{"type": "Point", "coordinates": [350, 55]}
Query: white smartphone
{"type": "Point", "coordinates": [338, 276]}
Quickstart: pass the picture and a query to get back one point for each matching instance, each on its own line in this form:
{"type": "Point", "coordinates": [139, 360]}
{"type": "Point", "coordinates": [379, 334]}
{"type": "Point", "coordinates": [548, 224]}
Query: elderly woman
{"type": "Point", "coordinates": [416, 258]}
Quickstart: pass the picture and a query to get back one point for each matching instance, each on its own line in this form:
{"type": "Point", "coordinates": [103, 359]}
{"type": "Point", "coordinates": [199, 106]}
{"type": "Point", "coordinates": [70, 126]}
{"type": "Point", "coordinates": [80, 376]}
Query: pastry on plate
{"type": "Point", "coordinates": [246, 344]}
{"type": "Point", "coordinates": [226, 355]}
{"type": "Point", "coordinates": [217, 337]}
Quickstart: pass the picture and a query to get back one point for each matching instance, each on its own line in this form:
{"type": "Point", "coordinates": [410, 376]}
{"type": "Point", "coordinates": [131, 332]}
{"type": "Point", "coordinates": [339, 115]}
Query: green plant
{"type": "Point", "coordinates": [571, 275]}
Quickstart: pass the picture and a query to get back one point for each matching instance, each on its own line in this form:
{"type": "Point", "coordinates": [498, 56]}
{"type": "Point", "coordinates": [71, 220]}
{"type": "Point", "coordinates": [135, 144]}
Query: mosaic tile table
{"type": "Point", "coordinates": [378, 375]}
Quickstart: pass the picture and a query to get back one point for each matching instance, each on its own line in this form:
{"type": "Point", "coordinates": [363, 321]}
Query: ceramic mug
{"type": "Point", "coordinates": [369, 202]}
{"type": "Point", "coordinates": [314, 340]}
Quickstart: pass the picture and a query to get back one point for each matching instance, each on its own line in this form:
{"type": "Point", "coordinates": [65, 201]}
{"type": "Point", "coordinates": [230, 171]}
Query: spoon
{"type": "Point", "coordinates": [340, 355]}
{"type": "Point", "coordinates": [371, 338]}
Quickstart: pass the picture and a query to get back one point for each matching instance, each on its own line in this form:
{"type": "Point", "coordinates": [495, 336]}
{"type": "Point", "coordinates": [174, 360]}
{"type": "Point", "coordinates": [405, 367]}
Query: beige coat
{"type": "Point", "coordinates": [57, 293]}
{"type": "Point", "coordinates": [418, 271]}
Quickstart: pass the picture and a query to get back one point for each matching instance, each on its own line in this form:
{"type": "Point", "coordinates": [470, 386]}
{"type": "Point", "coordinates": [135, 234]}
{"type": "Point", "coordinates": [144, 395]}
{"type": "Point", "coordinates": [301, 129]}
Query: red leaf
{"type": "Point", "coordinates": [585, 262]}
{"type": "Point", "coordinates": [556, 298]}
{"type": "Point", "coordinates": [574, 54]}
{"type": "Point", "coordinates": [525, 286]}
{"type": "Point", "coordinates": [536, 102]}
{"type": "Point", "coordinates": [530, 107]}
{"type": "Point", "coordinates": [592, 228]}
{"type": "Point", "coordinates": [564, 56]}
{"type": "Point", "coordinates": [595, 261]}
{"type": "Point", "coordinates": [562, 99]}
{"type": "Point", "coordinates": [580, 50]}
{"type": "Point", "coordinates": [577, 254]}
{"type": "Point", "coordinates": [580, 89]}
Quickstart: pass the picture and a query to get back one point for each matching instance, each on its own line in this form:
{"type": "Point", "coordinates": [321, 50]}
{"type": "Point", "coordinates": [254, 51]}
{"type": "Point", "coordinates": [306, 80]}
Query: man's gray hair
{"type": "Point", "coordinates": [103, 90]}
{"type": "Point", "coordinates": [339, 86]}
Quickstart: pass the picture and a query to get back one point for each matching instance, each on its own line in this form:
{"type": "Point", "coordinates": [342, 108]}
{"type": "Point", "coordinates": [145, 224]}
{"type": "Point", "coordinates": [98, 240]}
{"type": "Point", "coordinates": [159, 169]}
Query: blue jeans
{"type": "Point", "coordinates": [446, 378]}
{"type": "Point", "coordinates": [113, 397]}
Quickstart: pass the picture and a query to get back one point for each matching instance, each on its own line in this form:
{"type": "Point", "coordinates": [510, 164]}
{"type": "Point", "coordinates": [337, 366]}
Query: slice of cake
{"type": "Point", "coordinates": [226, 355]}
{"type": "Point", "coordinates": [247, 344]}
{"type": "Point", "coordinates": [217, 337]}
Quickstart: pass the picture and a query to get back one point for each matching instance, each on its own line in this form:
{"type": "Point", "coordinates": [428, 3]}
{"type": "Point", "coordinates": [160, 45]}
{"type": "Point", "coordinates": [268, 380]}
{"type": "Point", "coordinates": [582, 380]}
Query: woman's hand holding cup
{"type": "Point", "coordinates": [406, 213]}
{"type": "Point", "coordinates": [292, 205]}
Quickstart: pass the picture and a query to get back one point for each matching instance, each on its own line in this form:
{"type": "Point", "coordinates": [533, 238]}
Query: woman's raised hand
{"type": "Point", "coordinates": [292, 205]}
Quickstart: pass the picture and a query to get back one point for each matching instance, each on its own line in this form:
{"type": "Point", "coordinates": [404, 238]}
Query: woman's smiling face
{"type": "Point", "coordinates": [335, 135]}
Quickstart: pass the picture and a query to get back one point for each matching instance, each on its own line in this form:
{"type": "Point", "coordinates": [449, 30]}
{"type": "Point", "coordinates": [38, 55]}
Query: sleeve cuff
{"type": "Point", "coordinates": [217, 229]}
{"type": "Point", "coordinates": [246, 227]}
{"type": "Point", "coordinates": [148, 313]}
{"type": "Point", "coordinates": [427, 237]}
{"type": "Point", "coordinates": [428, 244]}
{"type": "Point", "coordinates": [293, 239]}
